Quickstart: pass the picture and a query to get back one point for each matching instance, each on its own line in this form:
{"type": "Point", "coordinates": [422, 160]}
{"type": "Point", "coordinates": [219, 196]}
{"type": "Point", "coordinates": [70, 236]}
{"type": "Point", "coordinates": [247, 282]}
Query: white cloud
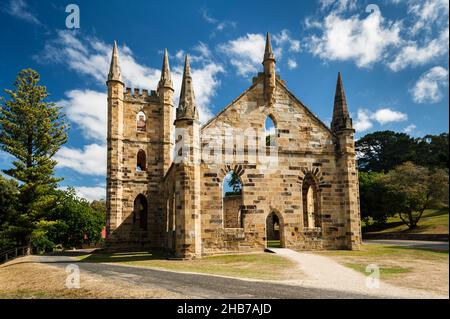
{"type": "Point", "coordinates": [219, 25]}
{"type": "Point", "coordinates": [363, 122]}
{"type": "Point", "coordinates": [425, 13]}
{"type": "Point", "coordinates": [386, 115]}
{"type": "Point", "coordinates": [365, 118]}
{"type": "Point", "coordinates": [19, 9]}
{"type": "Point", "coordinates": [88, 109]}
{"type": "Point", "coordinates": [91, 160]}
{"type": "Point", "coordinates": [337, 5]}
{"type": "Point", "coordinates": [91, 193]}
{"type": "Point", "coordinates": [365, 40]}
{"type": "Point", "coordinates": [409, 129]}
{"type": "Point", "coordinates": [428, 88]}
{"type": "Point", "coordinates": [283, 38]}
{"type": "Point", "coordinates": [412, 54]}
{"type": "Point", "coordinates": [340, 33]}
{"type": "Point", "coordinates": [292, 64]}
{"type": "Point", "coordinates": [246, 53]}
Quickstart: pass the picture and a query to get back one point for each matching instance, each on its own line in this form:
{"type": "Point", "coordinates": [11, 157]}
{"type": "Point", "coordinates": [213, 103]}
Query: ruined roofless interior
{"type": "Point", "coordinates": [166, 193]}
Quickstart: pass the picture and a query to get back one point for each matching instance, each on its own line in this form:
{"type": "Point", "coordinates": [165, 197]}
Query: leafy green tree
{"type": "Point", "coordinates": [382, 151]}
{"type": "Point", "coordinates": [99, 205]}
{"type": "Point", "coordinates": [433, 151]}
{"type": "Point", "coordinates": [75, 221]}
{"type": "Point", "coordinates": [372, 192]}
{"type": "Point", "coordinates": [411, 189]}
{"type": "Point", "coordinates": [32, 130]}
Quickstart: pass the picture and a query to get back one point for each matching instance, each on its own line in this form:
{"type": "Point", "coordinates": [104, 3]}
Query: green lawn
{"type": "Point", "coordinates": [433, 221]}
{"type": "Point", "coordinates": [256, 266]}
{"type": "Point", "coordinates": [385, 272]}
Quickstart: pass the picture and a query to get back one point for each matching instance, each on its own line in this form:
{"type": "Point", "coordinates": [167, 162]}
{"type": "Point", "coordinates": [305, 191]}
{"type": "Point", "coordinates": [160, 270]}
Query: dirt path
{"type": "Point", "coordinates": [324, 273]}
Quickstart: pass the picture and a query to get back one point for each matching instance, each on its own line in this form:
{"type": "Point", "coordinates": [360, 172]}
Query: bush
{"type": "Point", "coordinates": [372, 192]}
{"type": "Point", "coordinates": [40, 241]}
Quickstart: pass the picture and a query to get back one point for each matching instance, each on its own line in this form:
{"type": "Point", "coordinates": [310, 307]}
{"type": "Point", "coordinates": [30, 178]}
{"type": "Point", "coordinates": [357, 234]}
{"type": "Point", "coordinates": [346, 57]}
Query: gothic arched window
{"type": "Point", "coordinates": [270, 131]}
{"type": "Point", "coordinates": [140, 122]}
{"type": "Point", "coordinates": [141, 161]}
{"type": "Point", "coordinates": [311, 206]}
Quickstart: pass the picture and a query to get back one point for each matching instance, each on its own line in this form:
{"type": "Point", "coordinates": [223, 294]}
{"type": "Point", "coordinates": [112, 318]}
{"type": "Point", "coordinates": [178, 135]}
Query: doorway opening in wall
{"type": "Point", "coordinates": [273, 231]}
{"type": "Point", "coordinates": [140, 212]}
{"type": "Point", "coordinates": [232, 201]}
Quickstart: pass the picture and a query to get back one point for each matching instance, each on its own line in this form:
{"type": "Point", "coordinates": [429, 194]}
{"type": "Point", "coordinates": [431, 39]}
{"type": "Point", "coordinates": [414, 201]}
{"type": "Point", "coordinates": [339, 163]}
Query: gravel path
{"type": "Point", "coordinates": [324, 273]}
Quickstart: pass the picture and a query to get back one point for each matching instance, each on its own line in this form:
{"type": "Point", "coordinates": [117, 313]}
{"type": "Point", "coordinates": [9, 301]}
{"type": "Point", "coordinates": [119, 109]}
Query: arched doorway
{"type": "Point", "coordinates": [274, 231]}
{"type": "Point", "coordinates": [140, 212]}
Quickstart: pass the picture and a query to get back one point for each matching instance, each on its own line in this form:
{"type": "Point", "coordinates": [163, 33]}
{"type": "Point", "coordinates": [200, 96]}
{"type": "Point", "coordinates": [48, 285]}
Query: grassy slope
{"type": "Point", "coordinates": [257, 266]}
{"type": "Point", "coordinates": [433, 221]}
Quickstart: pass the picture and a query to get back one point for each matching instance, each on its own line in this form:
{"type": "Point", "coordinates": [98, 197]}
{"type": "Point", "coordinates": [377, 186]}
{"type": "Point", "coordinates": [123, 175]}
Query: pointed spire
{"type": "Point", "coordinates": [187, 107]}
{"type": "Point", "coordinates": [166, 79]}
{"type": "Point", "coordinates": [341, 118]}
{"type": "Point", "coordinates": [114, 69]}
{"type": "Point", "coordinates": [268, 52]}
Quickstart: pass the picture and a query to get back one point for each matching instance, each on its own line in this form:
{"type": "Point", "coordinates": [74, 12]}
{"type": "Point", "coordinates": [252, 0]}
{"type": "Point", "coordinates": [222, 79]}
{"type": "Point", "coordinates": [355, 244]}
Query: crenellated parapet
{"type": "Point", "coordinates": [140, 95]}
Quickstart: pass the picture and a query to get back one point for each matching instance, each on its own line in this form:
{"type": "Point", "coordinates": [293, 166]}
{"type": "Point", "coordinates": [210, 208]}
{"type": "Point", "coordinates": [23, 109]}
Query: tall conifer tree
{"type": "Point", "coordinates": [32, 130]}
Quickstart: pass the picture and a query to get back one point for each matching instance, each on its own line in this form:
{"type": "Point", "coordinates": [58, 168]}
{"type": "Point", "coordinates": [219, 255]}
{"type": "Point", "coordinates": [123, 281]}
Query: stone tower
{"type": "Point", "coordinates": [187, 128]}
{"type": "Point", "coordinates": [341, 126]}
{"type": "Point", "coordinates": [269, 72]}
{"type": "Point", "coordinates": [114, 142]}
{"type": "Point", "coordinates": [140, 146]}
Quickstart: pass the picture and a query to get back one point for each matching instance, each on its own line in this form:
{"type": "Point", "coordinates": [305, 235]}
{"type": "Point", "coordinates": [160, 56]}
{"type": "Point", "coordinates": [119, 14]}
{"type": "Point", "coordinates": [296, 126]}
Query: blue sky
{"type": "Point", "coordinates": [393, 55]}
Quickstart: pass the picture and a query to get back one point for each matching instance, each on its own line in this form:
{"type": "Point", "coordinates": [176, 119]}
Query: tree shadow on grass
{"type": "Point", "coordinates": [431, 249]}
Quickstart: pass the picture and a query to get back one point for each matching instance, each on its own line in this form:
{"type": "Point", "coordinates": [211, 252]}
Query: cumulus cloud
{"type": "Point", "coordinates": [363, 121]}
{"type": "Point", "coordinates": [284, 38]}
{"type": "Point", "coordinates": [409, 129]}
{"type": "Point", "coordinates": [365, 118]}
{"type": "Point", "coordinates": [292, 64]}
{"type": "Point", "coordinates": [386, 115]}
{"type": "Point", "coordinates": [91, 160]}
{"type": "Point", "coordinates": [246, 53]}
{"type": "Point", "coordinates": [412, 54]}
{"type": "Point", "coordinates": [20, 10]}
{"type": "Point", "coordinates": [91, 193]}
{"type": "Point", "coordinates": [428, 89]}
{"type": "Point", "coordinates": [425, 13]}
{"type": "Point", "coordinates": [88, 109]}
{"type": "Point", "coordinates": [91, 57]}
{"type": "Point", "coordinates": [364, 40]}
{"type": "Point", "coordinates": [341, 33]}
